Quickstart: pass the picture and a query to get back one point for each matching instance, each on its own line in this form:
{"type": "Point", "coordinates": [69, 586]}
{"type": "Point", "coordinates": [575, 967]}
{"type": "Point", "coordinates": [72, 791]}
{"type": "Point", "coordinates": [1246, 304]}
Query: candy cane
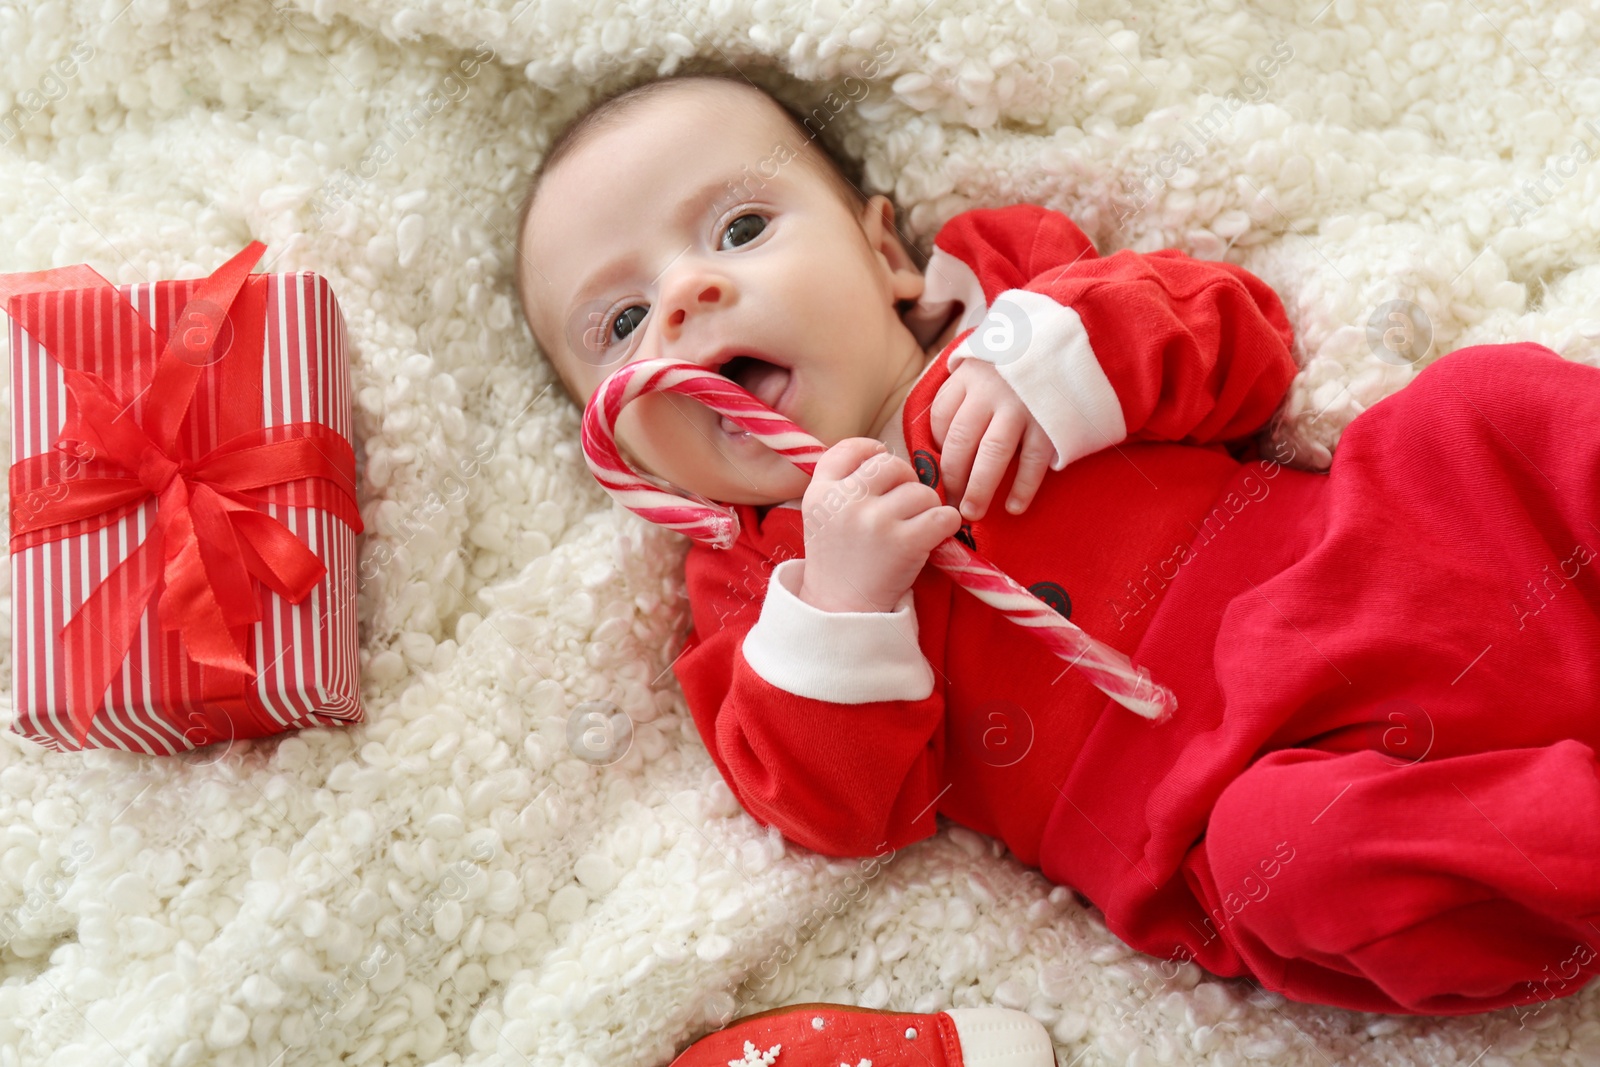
{"type": "Point", "coordinates": [718, 526]}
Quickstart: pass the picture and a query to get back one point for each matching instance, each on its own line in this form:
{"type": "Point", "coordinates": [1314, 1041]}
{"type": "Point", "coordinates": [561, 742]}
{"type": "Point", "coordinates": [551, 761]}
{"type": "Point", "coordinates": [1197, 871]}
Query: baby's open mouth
{"type": "Point", "coordinates": [762, 379]}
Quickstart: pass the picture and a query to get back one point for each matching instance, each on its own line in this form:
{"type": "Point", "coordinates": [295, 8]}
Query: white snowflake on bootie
{"type": "Point", "coordinates": [753, 1058]}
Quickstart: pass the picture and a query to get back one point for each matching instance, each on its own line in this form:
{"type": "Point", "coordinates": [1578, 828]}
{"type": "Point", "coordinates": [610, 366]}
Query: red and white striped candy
{"type": "Point", "coordinates": [718, 526]}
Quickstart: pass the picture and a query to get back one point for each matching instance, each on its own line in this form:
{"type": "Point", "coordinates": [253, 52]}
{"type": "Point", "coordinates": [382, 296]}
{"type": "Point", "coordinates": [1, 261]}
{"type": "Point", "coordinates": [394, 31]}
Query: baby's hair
{"type": "Point", "coordinates": [832, 163]}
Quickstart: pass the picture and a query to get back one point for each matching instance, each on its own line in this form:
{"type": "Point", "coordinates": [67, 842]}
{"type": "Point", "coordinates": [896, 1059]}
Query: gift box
{"type": "Point", "coordinates": [183, 514]}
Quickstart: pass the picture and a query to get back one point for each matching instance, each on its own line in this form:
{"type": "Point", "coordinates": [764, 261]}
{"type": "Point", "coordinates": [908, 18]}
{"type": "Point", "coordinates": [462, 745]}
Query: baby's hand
{"type": "Point", "coordinates": [976, 420]}
{"type": "Point", "coordinates": [869, 526]}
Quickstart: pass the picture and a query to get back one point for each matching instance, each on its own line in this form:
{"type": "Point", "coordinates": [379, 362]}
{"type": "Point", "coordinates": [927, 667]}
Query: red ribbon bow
{"type": "Point", "coordinates": [211, 541]}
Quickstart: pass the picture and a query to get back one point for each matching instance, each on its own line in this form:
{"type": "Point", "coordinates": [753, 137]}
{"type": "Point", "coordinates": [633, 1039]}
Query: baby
{"type": "Point", "coordinates": [1353, 803]}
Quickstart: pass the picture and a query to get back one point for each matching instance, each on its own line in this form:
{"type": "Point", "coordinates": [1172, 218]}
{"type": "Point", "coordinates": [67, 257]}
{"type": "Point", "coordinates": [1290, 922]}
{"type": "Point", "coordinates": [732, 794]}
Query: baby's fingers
{"type": "Point", "coordinates": [989, 466]}
{"type": "Point", "coordinates": [958, 450]}
{"type": "Point", "coordinates": [933, 526]}
{"type": "Point", "coordinates": [1034, 461]}
{"type": "Point", "coordinates": [946, 402]}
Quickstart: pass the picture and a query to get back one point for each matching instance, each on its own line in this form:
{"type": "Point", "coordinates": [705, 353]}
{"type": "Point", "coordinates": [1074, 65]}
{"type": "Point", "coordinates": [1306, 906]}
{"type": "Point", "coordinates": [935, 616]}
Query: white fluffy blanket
{"type": "Point", "coordinates": [451, 883]}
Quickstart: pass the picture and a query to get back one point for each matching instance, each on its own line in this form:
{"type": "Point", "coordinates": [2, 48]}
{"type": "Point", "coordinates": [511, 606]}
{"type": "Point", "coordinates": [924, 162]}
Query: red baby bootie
{"type": "Point", "coordinates": [826, 1035]}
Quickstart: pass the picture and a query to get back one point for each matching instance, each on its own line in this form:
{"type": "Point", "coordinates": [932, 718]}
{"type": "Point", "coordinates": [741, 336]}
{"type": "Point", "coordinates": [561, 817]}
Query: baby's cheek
{"type": "Point", "coordinates": [642, 460]}
{"type": "Point", "coordinates": [659, 437]}
{"type": "Point", "coordinates": [628, 436]}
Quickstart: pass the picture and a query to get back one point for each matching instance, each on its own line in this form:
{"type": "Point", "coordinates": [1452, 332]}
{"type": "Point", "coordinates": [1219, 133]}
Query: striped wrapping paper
{"type": "Point", "coordinates": [305, 654]}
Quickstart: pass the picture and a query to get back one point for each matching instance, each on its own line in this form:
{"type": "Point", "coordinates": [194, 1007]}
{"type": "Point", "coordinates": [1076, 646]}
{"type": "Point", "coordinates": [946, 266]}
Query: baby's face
{"type": "Point", "coordinates": [694, 230]}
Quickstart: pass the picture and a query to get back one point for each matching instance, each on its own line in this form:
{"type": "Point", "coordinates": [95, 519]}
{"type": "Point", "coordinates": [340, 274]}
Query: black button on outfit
{"type": "Point", "coordinates": [1054, 595]}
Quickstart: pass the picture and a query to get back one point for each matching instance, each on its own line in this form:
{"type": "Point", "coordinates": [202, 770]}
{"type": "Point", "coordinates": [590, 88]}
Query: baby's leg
{"type": "Point", "coordinates": [1443, 886]}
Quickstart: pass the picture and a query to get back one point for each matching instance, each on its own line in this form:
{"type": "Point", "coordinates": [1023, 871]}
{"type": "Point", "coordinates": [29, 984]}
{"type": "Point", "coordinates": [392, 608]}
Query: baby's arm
{"type": "Point", "coordinates": [825, 724]}
{"type": "Point", "coordinates": [1134, 346]}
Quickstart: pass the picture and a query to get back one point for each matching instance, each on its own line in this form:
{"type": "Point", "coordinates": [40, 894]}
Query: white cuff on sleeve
{"type": "Point", "coordinates": [843, 657]}
{"type": "Point", "coordinates": [1042, 351]}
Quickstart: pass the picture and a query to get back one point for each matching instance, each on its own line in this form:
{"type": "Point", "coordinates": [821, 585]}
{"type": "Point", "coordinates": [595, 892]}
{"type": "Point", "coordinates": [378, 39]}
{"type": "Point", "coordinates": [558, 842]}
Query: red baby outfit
{"type": "Point", "coordinates": [1357, 801]}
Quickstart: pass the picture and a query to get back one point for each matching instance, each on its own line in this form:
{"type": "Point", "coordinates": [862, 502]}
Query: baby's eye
{"type": "Point", "coordinates": [627, 321]}
{"type": "Point", "coordinates": [743, 230]}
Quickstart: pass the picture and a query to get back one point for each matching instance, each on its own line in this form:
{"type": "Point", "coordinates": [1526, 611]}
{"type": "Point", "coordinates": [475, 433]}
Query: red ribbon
{"type": "Point", "coordinates": [212, 542]}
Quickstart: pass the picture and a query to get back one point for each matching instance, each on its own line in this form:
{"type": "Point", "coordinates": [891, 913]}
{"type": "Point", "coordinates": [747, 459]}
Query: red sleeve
{"type": "Point", "coordinates": [1133, 346]}
{"type": "Point", "coordinates": [1008, 246]}
{"type": "Point", "coordinates": [841, 779]}
{"type": "Point", "coordinates": [1197, 351]}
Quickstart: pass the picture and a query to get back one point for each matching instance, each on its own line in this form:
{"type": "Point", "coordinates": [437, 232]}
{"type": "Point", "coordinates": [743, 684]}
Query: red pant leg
{"type": "Point", "coordinates": [1440, 887]}
{"type": "Point", "coordinates": [1436, 575]}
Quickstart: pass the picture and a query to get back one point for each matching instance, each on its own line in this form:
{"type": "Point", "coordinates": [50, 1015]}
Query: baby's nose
{"type": "Point", "coordinates": [708, 294]}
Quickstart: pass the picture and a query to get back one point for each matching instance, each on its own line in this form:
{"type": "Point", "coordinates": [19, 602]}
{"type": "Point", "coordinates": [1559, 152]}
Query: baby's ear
{"type": "Point", "coordinates": [877, 222]}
